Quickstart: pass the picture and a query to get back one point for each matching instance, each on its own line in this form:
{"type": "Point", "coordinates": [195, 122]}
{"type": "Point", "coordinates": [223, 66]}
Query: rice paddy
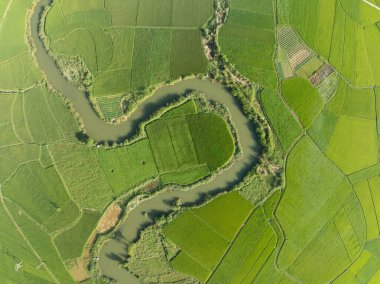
{"type": "Point", "coordinates": [314, 66]}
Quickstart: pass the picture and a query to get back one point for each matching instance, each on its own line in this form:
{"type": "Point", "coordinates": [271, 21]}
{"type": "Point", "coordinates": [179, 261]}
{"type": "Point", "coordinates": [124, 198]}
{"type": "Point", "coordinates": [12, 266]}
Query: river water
{"type": "Point", "coordinates": [114, 250]}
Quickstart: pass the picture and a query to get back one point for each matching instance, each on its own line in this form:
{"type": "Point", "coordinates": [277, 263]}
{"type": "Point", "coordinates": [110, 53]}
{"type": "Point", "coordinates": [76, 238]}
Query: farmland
{"type": "Point", "coordinates": [324, 114]}
{"type": "Point", "coordinates": [306, 209]}
{"type": "Point", "coordinates": [125, 51]}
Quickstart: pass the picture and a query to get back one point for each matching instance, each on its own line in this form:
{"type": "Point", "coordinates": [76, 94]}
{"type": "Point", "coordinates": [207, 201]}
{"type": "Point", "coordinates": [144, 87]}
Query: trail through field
{"type": "Point", "coordinates": [371, 4]}
{"type": "Point", "coordinates": [5, 13]}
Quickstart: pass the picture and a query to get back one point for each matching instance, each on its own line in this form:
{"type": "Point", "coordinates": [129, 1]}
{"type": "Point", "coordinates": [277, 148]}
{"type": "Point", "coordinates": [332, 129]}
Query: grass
{"type": "Point", "coordinates": [71, 248]}
{"type": "Point", "coordinates": [148, 258]}
{"type": "Point", "coordinates": [284, 124]}
{"type": "Point", "coordinates": [303, 98]}
{"type": "Point", "coordinates": [207, 132]}
{"type": "Point", "coordinates": [353, 145]}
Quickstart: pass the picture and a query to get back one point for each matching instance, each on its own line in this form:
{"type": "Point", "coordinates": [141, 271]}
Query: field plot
{"type": "Point", "coordinates": [315, 229]}
{"type": "Point", "coordinates": [330, 27]}
{"type": "Point", "coordinates": [177, 149]}
{"type": "Point", "coordinates": [248, 40]}
{"type": "Point", "coordinates": [150, 262]}
{"type": "Point", "coordinates": [128, 166]}
{"type": "Point", "coordinates": [71, 247]}
{"type": "Point", "coordinates": [204, 241]}
{"type": "Point", "coordinates": [42, 191]}
{"type": "Point", "coordinates": [303, 98]}
{"type": "Point", "coordinates": [207, 131]}
{"type": "Point", "coordinates": [128, 46]}
{"type": "Point", "coordinates": [366, 268]}
{"type": "Point", "coordinates": [285, 125]}
{"type": "Point", "coordinates": [358, 137]}
{"type": "Point", "coordinates": [325, 123]}
{"type": "Point", "coordinates": [77, 162]}
{"type": "Point", "coordinates": [243, 246]}
{"type": "Point", "coordinates": [295, 55]}
{"type": "Point", "coordinates": [110, 107]}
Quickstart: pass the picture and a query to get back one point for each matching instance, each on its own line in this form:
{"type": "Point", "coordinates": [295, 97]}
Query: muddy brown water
{"type": "Point", "coordinates": [113, 251]}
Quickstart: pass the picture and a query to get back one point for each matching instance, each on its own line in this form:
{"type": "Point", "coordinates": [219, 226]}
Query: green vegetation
{"type": "Point", "coordinates": [204, 235]}
{"type": "Point", "coordinates": [344, 32]}
{"type": "Point", "coordinates": [322, 227]}
{"type": "Point", "coordinates": [244, 238]}
{"type": "Point", "coordinates": [71, 247]}
{"type": "Point", "coordinates": [127, 46]}
{"type": "Point", "coordinates": [247, 39]}
{"type": "Point", "coordinates": [350, 136]}
{"type": "Point", "coordinates": [303, 99]}
{"type": "Point", "coordinates": [207, 131]}
{"type": "Point", "coordinates": [284, 124]}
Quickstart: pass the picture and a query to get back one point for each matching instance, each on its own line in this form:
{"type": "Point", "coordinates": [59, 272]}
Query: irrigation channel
{"type": "Point", "coordinates": [114, 250]}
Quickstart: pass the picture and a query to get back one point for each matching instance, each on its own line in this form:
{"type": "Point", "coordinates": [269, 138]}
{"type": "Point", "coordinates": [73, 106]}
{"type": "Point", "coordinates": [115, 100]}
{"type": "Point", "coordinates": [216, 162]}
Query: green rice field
{"type": "Point", "coordinates": [128, 46]}
{"type": "Point", "coordinates": [305, 72]}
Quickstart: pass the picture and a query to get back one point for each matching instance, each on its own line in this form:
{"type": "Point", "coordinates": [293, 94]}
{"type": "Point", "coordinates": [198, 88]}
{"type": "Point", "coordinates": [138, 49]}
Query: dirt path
{"type": "Point", "coordinates": [371, 4]}
{"type": "Point", "coordinates": [5, 13]}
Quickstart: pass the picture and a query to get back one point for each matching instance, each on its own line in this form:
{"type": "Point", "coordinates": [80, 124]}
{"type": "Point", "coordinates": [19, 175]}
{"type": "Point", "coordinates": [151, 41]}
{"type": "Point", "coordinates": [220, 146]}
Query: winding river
{"type": "Point", "coordinates": [114, 250]}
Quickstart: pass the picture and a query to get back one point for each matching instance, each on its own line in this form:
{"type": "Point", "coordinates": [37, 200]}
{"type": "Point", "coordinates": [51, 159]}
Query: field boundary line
{"type": "Point", "coordinates": [231, 243]}
{"type": "Point", "coordinates": [56, 233]}
{"type": "Point", "coordinates": [255, 245]}
{"type": "Point", "coordinates": [52, 113]}
{"type": "Point", "coordinates": [27, 214]}
{"type": "Point", "coordinates": [210, 227]}
{"type": "Point", "coordinates": [5, 13]}
{"type": "Point", "coordinates": [183, 251]}
{"type": "Point", "coordinates": [341, 240]}
{"type": "Point", "coordinates": [61, 176]}
{"type": "Point", "coordinates": [250, 11]}
{"type": "Point", "coordinates": [321, 228]}
{"type": "Point", "coordinates": [374, 206]}
{"type": "Point", "coordinates": [15, 172]}
{"type": "Point", "coordinates": [26, 239]}
{"type": "Point", "coordinates": [24, 115]}
{"type": "Point", "coordinates": [153, 27]}
{"type": "Point", "coordinates": [104, 173]}
{"type": "Point", "coordinates": [171, 141]}
{"type": "Point", "coordinates": [257, 259]}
